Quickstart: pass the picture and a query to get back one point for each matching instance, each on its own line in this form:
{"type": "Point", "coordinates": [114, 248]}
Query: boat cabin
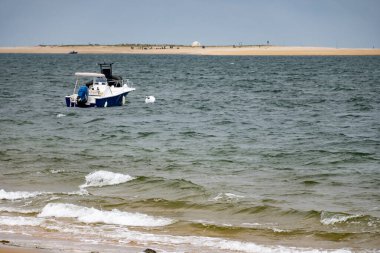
{"type": "Point", "coordinates": [106, 70]}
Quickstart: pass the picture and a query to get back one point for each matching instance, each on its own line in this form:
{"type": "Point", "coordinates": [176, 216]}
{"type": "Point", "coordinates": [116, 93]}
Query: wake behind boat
{"type": "Point", "coordinates": [103, 90]}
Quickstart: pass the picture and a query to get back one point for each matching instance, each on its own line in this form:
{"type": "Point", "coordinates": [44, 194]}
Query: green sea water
{"type": "Point", "coordinates": [237, 154]}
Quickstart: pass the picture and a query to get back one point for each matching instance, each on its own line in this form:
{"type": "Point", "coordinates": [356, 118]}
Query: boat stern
{"type": "Point", "coordinates": [69, 101]}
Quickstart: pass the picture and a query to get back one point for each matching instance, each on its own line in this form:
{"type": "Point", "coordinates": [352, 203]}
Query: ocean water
{"type": "Point", "coordinates": [237, 154]}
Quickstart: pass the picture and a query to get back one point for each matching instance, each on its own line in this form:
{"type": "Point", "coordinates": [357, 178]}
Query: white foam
{"type": "Point", "coordinates": [221, 244]}
{"type": "Point", "coordinates": [56, 171]}
{"type": "Point", "coordinates": [18, 194]}
{"type": "Point", "coordinates": [250, 224]}
{"type": "Point", "coordinates": [336, 218]}
{"type": "Point", "coordinates": [25, 194]}
{"type": "Point", "coordinates": [92, 215]}
{"type": "Point", "coordinates": [20, 221]}
{"type": "Point", "coordinates": [278, 230]}
{"type": "Point", "coordinates": [204, 222]}
{"type": "Point", "coordinates": [60, 115]}
{"type": "Point", "coordinates": [200, 243]}
{"type": "Point", "coordinates": [102, 178]}
{"type": "Point", "coordinates": [227, 197]}
{"type": "Point", "coordinates": [18, 210]}
{"type": "Point", "coordinates": [81, 192]}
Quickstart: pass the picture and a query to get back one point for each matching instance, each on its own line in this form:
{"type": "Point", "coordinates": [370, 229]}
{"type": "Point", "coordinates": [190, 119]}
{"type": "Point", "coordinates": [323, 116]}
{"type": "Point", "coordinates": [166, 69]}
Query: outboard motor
{"type": "Point", "coordinates": [82, 95]}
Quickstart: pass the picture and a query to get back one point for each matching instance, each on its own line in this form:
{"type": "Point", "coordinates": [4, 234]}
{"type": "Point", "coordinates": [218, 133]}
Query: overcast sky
{"type": "Point", "coordinates": [341, 23]}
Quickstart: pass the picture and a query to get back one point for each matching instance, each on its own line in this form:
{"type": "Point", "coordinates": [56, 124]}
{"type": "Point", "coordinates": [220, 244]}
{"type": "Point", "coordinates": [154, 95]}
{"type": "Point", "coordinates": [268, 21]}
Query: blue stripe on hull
{"type": "Point", "coordinates": [111, 101]}
{"type": "Point", "coordinates": [100, 102]}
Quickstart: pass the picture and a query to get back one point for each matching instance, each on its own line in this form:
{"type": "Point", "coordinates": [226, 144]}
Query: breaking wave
{"type": "Point", "coordinates": [18, 210]}
{"type": "Point", "coordinates": [20, 221]}
{"type": "Point", "coordinates": [228, 197]}
{"type": "Point", "coordinates": [104, 178]}
{"type": "Point", "coordinates": [19, 195]}
{"type": "Point", "coordinates": [92, 215]}
{"type": "Point", "coordinates": [197, 243]}
{"type": "Point", "coordinates": [333, 218]}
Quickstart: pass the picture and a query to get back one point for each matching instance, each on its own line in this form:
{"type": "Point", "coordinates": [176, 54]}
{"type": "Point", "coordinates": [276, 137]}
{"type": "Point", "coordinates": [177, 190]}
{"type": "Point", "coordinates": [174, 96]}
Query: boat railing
{"type": "Point", "coordinates": [128, 82]}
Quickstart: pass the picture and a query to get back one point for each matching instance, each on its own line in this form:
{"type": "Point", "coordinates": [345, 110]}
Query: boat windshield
{"type": "Point", "coordinates": [101, 80]}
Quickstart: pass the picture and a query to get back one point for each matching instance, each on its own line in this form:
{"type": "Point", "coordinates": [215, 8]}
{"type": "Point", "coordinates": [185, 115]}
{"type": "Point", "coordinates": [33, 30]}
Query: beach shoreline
{"type": "Point", "coordinates": [53, 243]}
{"type": "Point", "coordinates": [22, 243]}
{"type": "Point", "coordinates": [263, 50]}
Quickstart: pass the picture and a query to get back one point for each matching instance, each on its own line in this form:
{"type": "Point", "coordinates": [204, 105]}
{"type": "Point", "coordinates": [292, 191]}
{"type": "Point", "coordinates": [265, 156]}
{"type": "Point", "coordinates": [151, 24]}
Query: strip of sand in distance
{"type": "Point", "coordinates": [208, 50]}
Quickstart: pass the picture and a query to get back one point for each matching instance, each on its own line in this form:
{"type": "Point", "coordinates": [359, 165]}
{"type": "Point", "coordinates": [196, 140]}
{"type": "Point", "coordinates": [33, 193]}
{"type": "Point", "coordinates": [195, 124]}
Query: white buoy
{"type": "Point", "coordinates": [149, 99]}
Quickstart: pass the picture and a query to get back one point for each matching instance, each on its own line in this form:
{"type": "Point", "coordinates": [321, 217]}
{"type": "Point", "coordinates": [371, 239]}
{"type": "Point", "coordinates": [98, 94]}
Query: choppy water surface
{"type": "Point", "coordinates": [245, 154]}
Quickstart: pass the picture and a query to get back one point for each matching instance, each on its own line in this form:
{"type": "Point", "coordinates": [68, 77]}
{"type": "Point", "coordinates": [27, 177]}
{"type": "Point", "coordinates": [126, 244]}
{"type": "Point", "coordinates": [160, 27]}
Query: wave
{"type": "Point", "coordinates": [94, 179]}
{"type": "Point", "coordinates": [333, 218]}
{"type": "Point", "coordinates": [53, 171]}
{"type": "Point", "coordinates": [179, 185]}
{"type": "Point", "coordinates": [16, 122]}
{"type": "Point", "coordinates": [17, 210]}
{"type": "Point", "coordinates": [19, 195]}
{"type": "Point", "coordinates": [268, 228]}
{"type": "Point", "coordinates": [258, 209]}
{"type": "Point", "coordinates": [92, 215]}
{"type": "Point", "coordinates": [228, 197]}
{"type": "Point", "coordinates": [146, 134]}
{"type": "Point", "coordinates": [241, 209]}
{"type": "Point", "coordinates": [104, 178]}
{"type": "Point", "coordinates": [310, 182]}
{"type": "Point", "coordinates": [20, 221]}
{"type": "Point", "coordinates": [95, 120]}
{"type": "Point", "coordinates": [200, 243]}
{"type": "Point", "coordinates": [335, 236]}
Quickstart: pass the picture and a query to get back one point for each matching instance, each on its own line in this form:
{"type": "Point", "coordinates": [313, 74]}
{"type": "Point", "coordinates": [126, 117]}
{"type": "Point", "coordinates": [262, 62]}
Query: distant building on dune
{"type": "Point", "coordinates": [196, 44]}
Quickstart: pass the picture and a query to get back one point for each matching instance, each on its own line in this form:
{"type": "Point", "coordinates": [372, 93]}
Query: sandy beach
{"type": "Point", "coordinates": [208, 50]}
{"type": "Point", "coordinates": [39, 243]}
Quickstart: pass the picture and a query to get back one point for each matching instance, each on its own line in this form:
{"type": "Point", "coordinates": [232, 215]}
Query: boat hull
{"type": "Point", "coordinates": [117, 100]}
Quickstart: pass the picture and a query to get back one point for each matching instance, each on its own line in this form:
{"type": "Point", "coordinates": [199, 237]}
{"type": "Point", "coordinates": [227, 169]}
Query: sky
{"type": "Point", "coordinates": [326, 23]}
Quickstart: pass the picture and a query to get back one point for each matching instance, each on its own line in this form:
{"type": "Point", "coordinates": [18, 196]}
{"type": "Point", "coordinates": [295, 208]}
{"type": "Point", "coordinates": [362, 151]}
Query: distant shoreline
{"type": "Point", "coordinates": [258, 50]}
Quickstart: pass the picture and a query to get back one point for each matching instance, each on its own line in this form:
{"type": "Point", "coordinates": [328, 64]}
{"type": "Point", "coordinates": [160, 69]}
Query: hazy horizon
{"type": "Point", "coordinates": [325, 23]}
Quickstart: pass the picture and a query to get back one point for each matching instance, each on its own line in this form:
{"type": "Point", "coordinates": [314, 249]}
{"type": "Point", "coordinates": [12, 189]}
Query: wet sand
{"type": "Point", "coordinates": [19, 243]}
{"type": "Point", "coordinates": [16, 250]}
{"type": "Point", "coordinates": [212, 50]}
